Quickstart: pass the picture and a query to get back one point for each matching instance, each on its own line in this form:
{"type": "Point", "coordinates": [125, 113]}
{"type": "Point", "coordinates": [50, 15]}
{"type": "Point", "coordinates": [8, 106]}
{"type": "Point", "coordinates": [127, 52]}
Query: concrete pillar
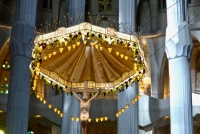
{"type": "Point", "coordinates": [76, 8]}
{"type": "Point", "coordinates": [71, 107]}
{"type": "Point", "coordinates": [127, 16]}
{"type": "Point", "coordinates": [21, 44]}
{"type": "Point", "coordinates": [128, 121]}
{"type": "Point", "coordinates": [178, 49]}
{"type": "Point", "coordinates": [55, 129]}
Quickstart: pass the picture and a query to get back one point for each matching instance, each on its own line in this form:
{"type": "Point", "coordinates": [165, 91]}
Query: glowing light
{"type": "Point", "coordinates": [78, 43]}
{"type": "Point", "coordinates": [58, 111]}
{"type": "Point", "coordinates": [55, 109]}
{"type": "Point", "coordinates": [2, 132]}
{"type": "Point", "coordinates": [74, 46]}
{"type": "Point", "coordinates": [54, 53]}
{"type": "Point", "coordinates": [89, 119]}
{"type": "Point", "coordinates": [97, 119]}
{"type": "Point", "coordinates": [50, 106]}
{"type": "Point", "coordinates": [121, 55]}
{"type": "Point", "coordinates": [61, 114]}
{"type": "Point", "coordinates": [85, 41]}
{"type": "Point", "coordinates": [72, 118]}
{"type": "Point", "coordinates": [117, 53]}
{"type": "Point", "coordinates": [119, 112]}
{"type": "Point", "coordinates": [61, 49]}
{"type": "Point", "coordinates": [122, 109]}
{"type": "Point", "coordinates": [127, 106]}
{"type": "Point", "coordinates": [45, 57]}
{"type": "Point", "coordinates": [69, 48]}
{"type": "Point", "coordinates": [38, 96]}
{"type": "Point", "coordinates": [44, 101]}
{"type": "Point", "coordinates": [106, 118]}
{"type": "Point", "coordinates": [101, 48]}
{"type": "Point", "coordinates": [96, 46]}
{"type": "Point", "coordinates": [132, 101]}
{"type": "Point", "coordinates": [41, 98]}
{"type": "Point", "coordinates": [136, 99]}
{"type": "Point", "coordinates": [50, 55]}
{"type": "Point", "coordinates": [101, 119]}
{"type": "Point", "coordinates": [139, 97]}
{"type": "Point", "coordinates": [109, 49]}
{"type": "Point", "coordinates": [77, 119]}
{"type": "Point", "coordinates": [126, 57]}
{"type": "Point", "coordinates": [117, 115]}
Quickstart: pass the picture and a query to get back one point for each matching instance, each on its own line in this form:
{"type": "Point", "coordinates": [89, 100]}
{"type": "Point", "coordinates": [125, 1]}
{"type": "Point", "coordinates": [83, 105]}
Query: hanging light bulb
{"type": "Point", "coordinates": [92, 44]}
{"type": "Point", "coordinates": [61, 114]}
{"type": "Point", "coordinates": [89, 119]}
{"type": "Point", "coordinates": [136, 99]}
{"type": "Point", "coordinates": [126, 57]}
{"type": "Point", "coordinates": [78, 43]}
{"type": "Point", "coordinates": [77, 119]}
{"type": "Point", "coordinates": [101, 119]}
{"type": "Point", "coordinates": [50, 55]}
{"type": "Point", "coordinates": [69, 48]}
{"type": "Point", "coordinates": [132, 101]}
{"type": "Point", "coordinates": [45, 57]}
{"type": "Point", "coordinates": [66, 42]}
{"type": "Point", "coordinates": [122, 109]}
{"type": "Point", "coordinates": [139, 97]}
{"type": "Point", "coordinates": [50, 106]}
{"type": "Point", "coordinates": [58, 111]}
{"type": "Point", "coordinates": [55, 109]}
{"type": "Point", "coordinates": [127, 106]}
{"type": "Point", "coordinates": [110, 49]}
{"type": "Point", "coordinates": [44, 101]}
{"type": "Point", "coordinates": [61, 49]}
{"type": "Point", "coordinates": [85, 41]}
{"type": "Point", "coordinates": [54, 53]}
{"type": "Point", "coordinates": [106, 118]}
{"type": "Point", "coordinates": [38, 96]}
{"type": "Point", "coordinates": [74, 46]}
{"type": "Point", "coordinates": [101, 48]}
{"type": "Point", "coordinates": [41, 98]}
{"type": "Point", "coordinates": [117, 53]}
{"type": "Point", "coordinates": [72, 118]}
{"type": "Point", "coordinates": [117, 114]}
{"type": "Point", "coordinates": [97, 119]}
{"type": "Point", "coordinates": [96, 46]}
{"type": "Point", "coordinates": [121, 55]}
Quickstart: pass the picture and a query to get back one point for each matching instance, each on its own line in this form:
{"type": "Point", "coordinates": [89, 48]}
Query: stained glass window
{"type": "Point", "coordinates": [101, 5]}
{"type": "Point", "coordinates": [109, 5]}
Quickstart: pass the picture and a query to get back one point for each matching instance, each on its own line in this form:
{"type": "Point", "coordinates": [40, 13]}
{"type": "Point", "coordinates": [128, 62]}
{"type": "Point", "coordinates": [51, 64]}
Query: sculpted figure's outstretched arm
{"type": "Point", "coordinates": [95, 95]}
{"type": "Point", "coordinates": [75, 95]}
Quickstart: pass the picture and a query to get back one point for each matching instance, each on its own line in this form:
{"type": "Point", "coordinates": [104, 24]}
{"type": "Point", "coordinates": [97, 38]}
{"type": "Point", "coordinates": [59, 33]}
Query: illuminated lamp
{"type": "Point", "coordinates": [69, 48]}
{"type": "Point", "coordinates": [89, 119]}
{"type": "Point", "coordinates": [136, 99]}
{"type": "Point", "coordinates": [101, 48]}
{"type": "Point", "coordinates": [54, 53]}
{"type": "Point", "coordinates": [109, 49]}
{"type": "Point", "coordinates": [126, 57]}
{"type": "Point", "coordinates": [127, 106]}
{"type": "Point", "coordinates": [61, 114]}
{"type": "Point", "coordinates": [74, 46]}
{"type": "Point", "coordinates": [44, 101]}
{"type": "Point", "coordinates": [139, 97]}
{"type": "Point", "coordinates": [92, 44]}
{"type": "Point", "coordinates": [96, 46]}
{"type": "Point", "coordinates": [117, 114]}
{"type": "Point", "coordinates": [72, 118]}
{"type": "Point", "coordinates": [50, 106]}
{"type": "Point", "coordinates": [97, 119]}
{"type": "Point", "coordinates": [38, 96]}
{"type": "Point", "coordinates": [132, 101]}
{"type": "Point", "coordinates": [50, 55]}
{"type": "Point", "coordinates": [122, 109]}
{"type": "Point", "coordinates": [2, 132]}
{"type": "Point", "coordinates": [106, 118]}
{"type": "Point", "coordinates": [117, 53]}
{"type": "Point", "coordinates": [77, 119]}
{"type": "Point", "coordinates": [55, 109]}
{"type": "Point", "coordinates": [41, 98]}
{"type": "Point", "coordinates": [33, 88]}
{"type": "Point", "coordinates": [85, 41]}
{"type": "Point", "coordinates": [121, 55]}
{"type": "Point", "coordinates": [78, 43]}
{"type": "Point", "coordinates": [58, 111]}
{"type": "Point", "coordinates": [45, 57]}
{"type": "Point", "coordinates": [101, 119]}
{"type": "Point", "coordinates": [61, 49]}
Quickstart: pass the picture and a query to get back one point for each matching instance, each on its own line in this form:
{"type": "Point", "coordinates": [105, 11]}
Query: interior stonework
{"type": "Point", "coordinates": [166, 99]}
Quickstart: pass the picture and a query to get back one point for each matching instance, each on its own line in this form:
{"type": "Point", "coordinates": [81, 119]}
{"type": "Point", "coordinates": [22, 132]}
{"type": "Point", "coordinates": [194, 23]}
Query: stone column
{"type": "Point", "coordinates": [76, 8]}
{"type": "Point", "coordinates": [128, 122]}
{"type": "Point", "coordinates": [71, 107]}
{"type": "Point", "coordinates": [21, 44]}
{"type": "Point", "coordinates": [127, 15]}
{"type": "Point", "coordinates": [178, 49]}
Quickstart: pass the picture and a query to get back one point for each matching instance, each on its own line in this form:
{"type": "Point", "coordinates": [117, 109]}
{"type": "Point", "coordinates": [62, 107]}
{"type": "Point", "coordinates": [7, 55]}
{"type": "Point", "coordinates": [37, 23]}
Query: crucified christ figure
{"type": "Point", "coordinates": [84, 107]}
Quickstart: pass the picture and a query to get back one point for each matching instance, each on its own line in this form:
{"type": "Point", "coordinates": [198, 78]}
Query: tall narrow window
{"type": "Point", "coordinates": [189, 1]}
{"type": "Point", "coordinates": [164, 4]}
{"type": "Point", "coordinates": [105, 5]}
{"type": "Point", "coordinates": [159, 5]}
{"type": "Point", "coordinates": [101, 5]}
{"type": "Point", "coordinates": [45, 4]}
{"type": "Point", "coordinates": [109, 5]}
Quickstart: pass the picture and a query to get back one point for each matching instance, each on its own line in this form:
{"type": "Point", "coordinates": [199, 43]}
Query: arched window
{"type": "Point", "coordinates": [105, 5]}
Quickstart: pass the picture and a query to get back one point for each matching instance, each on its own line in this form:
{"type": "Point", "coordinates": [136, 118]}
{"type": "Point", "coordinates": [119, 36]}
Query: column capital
{"type": "Point", "coordinates": [22, 39]}
{"type": "Point", "coordinates": [178, 41]}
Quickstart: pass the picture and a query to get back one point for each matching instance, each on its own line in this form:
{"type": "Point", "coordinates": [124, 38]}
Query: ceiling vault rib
{"type": "Point", "coordinates": [77, 62]}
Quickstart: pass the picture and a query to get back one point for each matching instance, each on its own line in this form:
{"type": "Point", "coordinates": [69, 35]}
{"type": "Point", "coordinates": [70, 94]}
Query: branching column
{"type": "Point", "coordinates": [128, 121]}
{"type": "Point", "coordinates": [127, 16]}
{"type": "Point", "coordinates": [178, 49]}
{"type": "Point", "coordinates": [21, 44]}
